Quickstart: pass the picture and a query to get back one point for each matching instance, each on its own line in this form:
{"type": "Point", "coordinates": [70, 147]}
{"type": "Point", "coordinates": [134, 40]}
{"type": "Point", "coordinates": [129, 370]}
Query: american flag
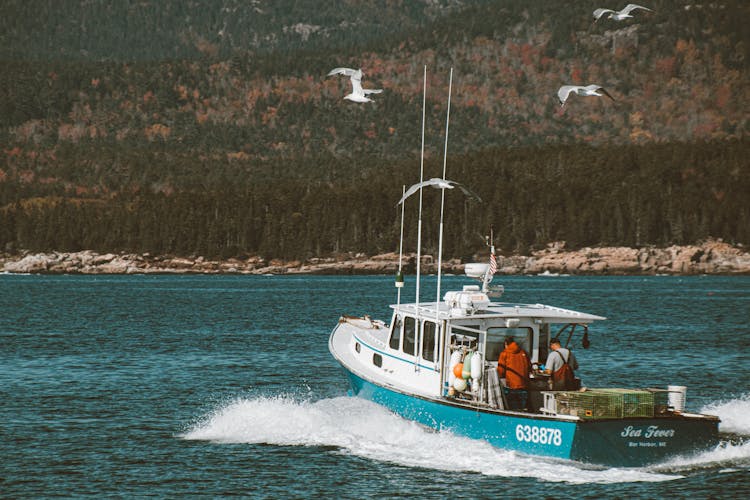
{"type": "Point", "coordinates": [493, 264]}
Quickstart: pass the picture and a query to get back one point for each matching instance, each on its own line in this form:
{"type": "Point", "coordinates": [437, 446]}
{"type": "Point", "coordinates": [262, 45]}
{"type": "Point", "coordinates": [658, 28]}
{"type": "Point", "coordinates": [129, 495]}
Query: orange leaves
{"type": "Point", "coordinates": [723, 96]}
{"type": "Point", "coordinates": [238, 156]}
{"type": "Point", "coordinates": [666, 66]}
{"type": "Point", "coordinates": [157, 131]}
{"type": "Point", "coordinates": [26, 176]}
{"type": "Point", "coordinates": [269, 115]}
{"type": "Point", "coordinates": [70, 132]}
{"type": "Point", "coordinates": [576, 76]}
{"type": "Point", "coordinates": [201, 117]}
{"type": "Point", "coordinates": [182, 92]}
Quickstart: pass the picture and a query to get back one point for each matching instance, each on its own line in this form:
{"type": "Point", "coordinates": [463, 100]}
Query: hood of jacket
{"type": "Point", "coordinates": [513, 348]}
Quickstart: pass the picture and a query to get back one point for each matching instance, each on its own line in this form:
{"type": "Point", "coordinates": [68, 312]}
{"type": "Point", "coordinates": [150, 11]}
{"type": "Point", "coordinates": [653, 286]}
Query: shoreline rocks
{"type": "Point", "coordinates": [710, 257]}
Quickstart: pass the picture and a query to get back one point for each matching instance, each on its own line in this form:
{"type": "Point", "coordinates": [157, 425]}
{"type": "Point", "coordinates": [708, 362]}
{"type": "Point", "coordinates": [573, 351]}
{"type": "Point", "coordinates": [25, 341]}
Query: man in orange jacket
{"type": "Point", "coordinates": [514, 366]}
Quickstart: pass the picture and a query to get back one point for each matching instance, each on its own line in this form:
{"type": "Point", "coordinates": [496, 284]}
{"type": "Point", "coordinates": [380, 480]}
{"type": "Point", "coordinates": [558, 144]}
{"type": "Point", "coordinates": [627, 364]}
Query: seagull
{"type": "Point", "coordinates": [358, 93]}
{"type": "Point", "coordinates": [439, 183]}
{"type": "Point", "coordinates": [589, 90]}
{"type": "Point", "coordinates": [619, 16]}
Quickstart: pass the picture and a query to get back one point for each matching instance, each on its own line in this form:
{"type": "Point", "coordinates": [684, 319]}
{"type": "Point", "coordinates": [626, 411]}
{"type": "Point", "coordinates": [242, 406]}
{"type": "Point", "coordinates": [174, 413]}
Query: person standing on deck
{"type": "Point", "coordinates": [514, 366]}
{"type": "Point", "coordinates": [561, 363]}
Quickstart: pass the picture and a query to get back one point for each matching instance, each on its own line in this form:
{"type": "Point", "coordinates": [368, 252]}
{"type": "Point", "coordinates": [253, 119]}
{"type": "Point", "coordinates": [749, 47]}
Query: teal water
{"type": "Point", "coordinates": [207, 386]}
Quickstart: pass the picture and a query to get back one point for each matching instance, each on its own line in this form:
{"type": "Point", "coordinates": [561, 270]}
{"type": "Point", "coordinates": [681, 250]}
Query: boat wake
{"type": "Point", "coordinates": [361, 428]}
{"type": "Point", "coordinates": [732, 454]}
{"type": "Point", "coordinates": [733, 414]}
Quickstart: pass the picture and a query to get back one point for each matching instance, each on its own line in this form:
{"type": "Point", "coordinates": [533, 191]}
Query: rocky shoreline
{"type": "Point", "coordinates": [710, 257]}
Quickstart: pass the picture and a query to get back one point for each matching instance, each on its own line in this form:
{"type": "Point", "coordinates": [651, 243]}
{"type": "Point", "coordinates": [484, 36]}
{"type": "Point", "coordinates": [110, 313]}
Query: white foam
{"type": "Point", "coordinates": [364, 429]}
{"type": "Point", "coordinates": [725, 454]}
{"type": "Point", "coordinates": [732, 453]}
{"type": "Point", "coordinates": [733, 414]}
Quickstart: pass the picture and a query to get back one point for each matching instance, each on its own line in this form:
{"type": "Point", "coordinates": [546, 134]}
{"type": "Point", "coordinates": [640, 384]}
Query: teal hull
{"type": "Point", "coordinates": [630, 442]}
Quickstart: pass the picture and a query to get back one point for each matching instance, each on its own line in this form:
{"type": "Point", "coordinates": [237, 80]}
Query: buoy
{"type": "Point", "coordinates": [466, 372]}
{"type": "Point", "coordinates": [455, 359]}
{"type": "Point", "coordinates": [476, 366]}
{"type": "Point", "coordinates": [459, 384]}
{"type": "Point", "coordinates": [458, 370]}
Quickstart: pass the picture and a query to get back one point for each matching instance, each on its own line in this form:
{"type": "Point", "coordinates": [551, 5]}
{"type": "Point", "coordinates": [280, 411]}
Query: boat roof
{"type": "Point", "coordinates": [549, 314]}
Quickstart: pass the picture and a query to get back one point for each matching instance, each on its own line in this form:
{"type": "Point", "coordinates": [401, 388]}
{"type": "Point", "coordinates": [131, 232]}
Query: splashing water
{"type": "Point", "coordinates": [733, 413]}
{"type": "Point", "coordinates": [733, 452]}
{"type": "Point", "coordinates": [365, 429]}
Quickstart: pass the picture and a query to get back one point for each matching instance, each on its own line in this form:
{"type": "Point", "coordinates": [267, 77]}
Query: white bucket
{"type": "Point", "coordinates": [676, 397]}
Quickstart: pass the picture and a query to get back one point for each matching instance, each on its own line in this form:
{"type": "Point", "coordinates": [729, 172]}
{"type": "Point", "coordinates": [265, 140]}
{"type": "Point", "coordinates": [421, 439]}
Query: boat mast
{"type": "Point", "coordinates": [400, 273]}
{"type": "Point", "coordinates": [421, 179]}
{"type": "Point", "coordinates": [442, 200]}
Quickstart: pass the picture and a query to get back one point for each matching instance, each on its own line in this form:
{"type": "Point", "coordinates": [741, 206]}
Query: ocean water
{"type": "Point", "coordinates": [210, 386]}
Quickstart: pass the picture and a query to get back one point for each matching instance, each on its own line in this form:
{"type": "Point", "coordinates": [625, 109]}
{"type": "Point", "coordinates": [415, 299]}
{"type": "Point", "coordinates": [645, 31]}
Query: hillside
{"type": "Point", "coordinates": [210, 127]}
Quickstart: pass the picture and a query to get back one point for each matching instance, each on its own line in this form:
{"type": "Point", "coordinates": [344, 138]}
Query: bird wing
{"type": "Point", "coordinates": [631, 7]}
{"type": "Point", "coordinates": [372, 91]}
{"type": "Point", "coordinates": [345, 71]}
{"type": "Point", "coordinates": [468, 192]}
{"type": "Point", "coordinates": [600, 12]}
{"type": "Point", "coordinates": [412, 189]}
{"type": "Point", "coordinates": [599, 88]}
{"type": "Point", "coordinates": [564, 91]}
{"type": "Point", "coordinates": [438, 183]}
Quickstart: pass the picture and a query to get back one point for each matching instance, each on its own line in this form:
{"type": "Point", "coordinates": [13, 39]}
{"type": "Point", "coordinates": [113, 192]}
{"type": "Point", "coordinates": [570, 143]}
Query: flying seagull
{"type": "Point", "coordinates": [358, 94]}
{"type": "Point", "coordinates": [589, 90]}
{"type": "Point", "coordinates": [619, 15]}
{"type": "Point", "coordinates": [438, 183]}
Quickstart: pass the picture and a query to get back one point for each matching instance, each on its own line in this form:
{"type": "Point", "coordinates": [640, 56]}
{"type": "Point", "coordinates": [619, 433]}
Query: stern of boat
{"type": "Point", "coordinates": [636, 442]}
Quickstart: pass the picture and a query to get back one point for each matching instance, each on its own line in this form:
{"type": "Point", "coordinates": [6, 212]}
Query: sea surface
{"type": "Point", "coordinates": [211, 386]}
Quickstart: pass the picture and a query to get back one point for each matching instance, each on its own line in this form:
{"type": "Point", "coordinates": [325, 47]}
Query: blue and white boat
{"type": "Point", "coordinates": [409, 366]}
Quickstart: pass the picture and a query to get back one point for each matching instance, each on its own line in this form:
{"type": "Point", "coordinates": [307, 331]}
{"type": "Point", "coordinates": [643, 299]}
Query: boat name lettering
{"type": "Point", "coordinates": [652, 431]}
{"type": "Point", "coordinates": [541, 435]}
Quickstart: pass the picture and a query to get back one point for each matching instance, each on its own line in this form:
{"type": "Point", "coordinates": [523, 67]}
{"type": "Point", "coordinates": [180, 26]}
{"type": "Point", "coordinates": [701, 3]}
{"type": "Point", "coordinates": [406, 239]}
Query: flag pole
{"type": "Point", "coordinates": [492, 268]}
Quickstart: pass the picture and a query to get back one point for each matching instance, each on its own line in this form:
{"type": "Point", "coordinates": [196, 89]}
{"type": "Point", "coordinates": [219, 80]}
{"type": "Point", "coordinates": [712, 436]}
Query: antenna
{"type": "Point", "coordinates": [442, 199]}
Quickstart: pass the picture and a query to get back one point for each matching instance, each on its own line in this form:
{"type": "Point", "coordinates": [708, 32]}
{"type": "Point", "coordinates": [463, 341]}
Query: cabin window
{"type": "Point", "coordinates": [544, 339]}
{"type": "Point", "coordinates": [395, 342]}
{"type": "Point", "coordinates": [429, 331]}
{"type": "Point", "coordinates": [410, 335]}
{"type": "Point", "coordinates": [496, 340]}
{"type": "Point", "coordinates": [377, 360]}
{"type": "Point", "coordinates": [465, 335]}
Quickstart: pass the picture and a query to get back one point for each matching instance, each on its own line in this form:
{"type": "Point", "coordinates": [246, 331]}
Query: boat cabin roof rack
{"type": "Point", "coordinates": [541, 312]}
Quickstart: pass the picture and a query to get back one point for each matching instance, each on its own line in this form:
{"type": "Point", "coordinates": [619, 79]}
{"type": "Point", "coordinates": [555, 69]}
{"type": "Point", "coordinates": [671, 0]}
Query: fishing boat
{"type": "Point", "coordinates": [436, 363]}
{"type": "Point", "coordinates": [409, 366]}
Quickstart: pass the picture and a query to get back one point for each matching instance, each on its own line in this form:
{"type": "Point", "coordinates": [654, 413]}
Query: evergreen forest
{"type": "Point", "coordinates": [210, 128]}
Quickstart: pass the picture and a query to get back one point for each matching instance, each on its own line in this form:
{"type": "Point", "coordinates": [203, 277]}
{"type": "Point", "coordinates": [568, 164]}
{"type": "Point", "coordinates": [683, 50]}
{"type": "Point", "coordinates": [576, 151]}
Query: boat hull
{"type": "Point", "coordinates": [628, 442]}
